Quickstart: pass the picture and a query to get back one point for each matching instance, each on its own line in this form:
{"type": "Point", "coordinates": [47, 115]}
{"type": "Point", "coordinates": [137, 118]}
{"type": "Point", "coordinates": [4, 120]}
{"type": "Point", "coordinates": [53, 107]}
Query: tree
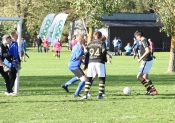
{"type": "Point", "coordinates": [92, 10]}
{"type": "Point", "coordinates": [166, 15]}
{"type": "Point", "coordinates": [33, 12]}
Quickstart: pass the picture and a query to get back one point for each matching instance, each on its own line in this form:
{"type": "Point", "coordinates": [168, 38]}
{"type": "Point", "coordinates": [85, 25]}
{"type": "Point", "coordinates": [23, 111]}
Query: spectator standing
{"type": "Point", "coordinates": [115, 43]}
{"type": "Point", "coordinates": [107, 43]}
{"type": "Point", "coordinates": [73, 42]}
{"type": "Point", "coordinates": [4, 55]}
{"type": "Point", "coordinates": [119, 42]}
{"type": "Point", "coordinates": [45, 44]}
{"type": "Point", "coordinates": [24, 46]}
{"type": "Point", "coordinates": [152, 47]}
{"type": "Point", "coordinates": [23, 51]}
{"type": "Point", "coordinates": [39, 44]}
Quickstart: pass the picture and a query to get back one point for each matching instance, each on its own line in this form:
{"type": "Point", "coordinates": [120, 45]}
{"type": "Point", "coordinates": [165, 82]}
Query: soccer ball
{"type": "Point", "coordinates": [54, 55]}
{"type": "Point", "coordinates": [126, 90]}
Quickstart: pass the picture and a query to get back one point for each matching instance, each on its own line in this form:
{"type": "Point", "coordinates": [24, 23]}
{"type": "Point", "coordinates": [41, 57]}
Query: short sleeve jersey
{"type": "Point", "coordinates": [57, 45]}
{"type": "Point", "coordinates": [74, 62]}
{"type": "Point", "coordinates": [119, 43]}
{"type": "Point", "coordinates": [97, 51]}
{"type": "Point", "coordinates": [144, 44]}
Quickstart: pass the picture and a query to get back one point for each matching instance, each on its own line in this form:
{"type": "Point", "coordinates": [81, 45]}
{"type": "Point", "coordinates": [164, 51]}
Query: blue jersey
{"type": "Point", "coordinates": [107, 42]}
{"type": "Point", "coordinates": [74, 62]}
{"type": "Point", "coordinates": [13, 50]}
{"type": "Point", "coordinates": [119, 43]}
{"type": "Point", "coordinates": [115, 43]}
{"type": "Point", "coordinates": [136, 44]}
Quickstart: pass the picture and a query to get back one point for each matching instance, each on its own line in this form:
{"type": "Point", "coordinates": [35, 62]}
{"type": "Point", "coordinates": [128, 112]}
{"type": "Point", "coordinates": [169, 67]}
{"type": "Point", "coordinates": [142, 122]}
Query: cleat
{"type": "Point", "coordinates": [148, 92]}
{"type": "Point", "coordinates": [77, 95]}
{"type": "Point", "coordinates": [7, 93]}
{"type": "Point", "coordinates": [12, 94]}
{"type": "Point", "coordinates": [65, 88]}
{"type": "Point", "coordinates": [99, 97]}
{"type": "Point", "coordinates": [85, 97]}
{"type": "Point", "coordinates": [88, 95]}
{"type": "Point", "coordinates": [153, 91]}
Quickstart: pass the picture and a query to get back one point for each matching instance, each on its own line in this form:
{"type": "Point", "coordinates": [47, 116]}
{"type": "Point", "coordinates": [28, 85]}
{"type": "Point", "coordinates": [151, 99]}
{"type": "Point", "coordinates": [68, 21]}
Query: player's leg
{"type": "Point", "coordinates": [120, 51]}
{"type": "Point", "coordinates": [91, 72]}
{"type": "Point", "coordinates": [143, 81]}
{"type": "Point", "coordinates": [87, 87]}
{"type": "Point", "coordinates": [101, 71]}
{"type": "Point", "coordinates": [134, 53]}
{"type": "Point", "coordinates": [143, 74]}
{"type": "Point", "coordinates": [80, 74]}
{"type": "Point", "coordinates": [153, 55]}
{"type": "Point", "coordinates": [71, 81]}
{"type": "Point", "coordinates": [115, 50]}
{"type": "Point", "coordinates": [12, 77]}
{"type": "Point", "coordinates": [6, 79]}
{"type": "Point", "coordinates": [152, 89]}
{"type": "Point", "coordinates": [58, 54]}
{"type": "Point", "coordinates": [137, 53]}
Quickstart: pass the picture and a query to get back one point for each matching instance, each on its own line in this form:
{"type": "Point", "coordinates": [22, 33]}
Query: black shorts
{"type": "Point", "coordinates": [136, 50]}
{"type": "Point", "coordinates": [78, 72]}
{"type": "Point", "coordinates": [57, 51]}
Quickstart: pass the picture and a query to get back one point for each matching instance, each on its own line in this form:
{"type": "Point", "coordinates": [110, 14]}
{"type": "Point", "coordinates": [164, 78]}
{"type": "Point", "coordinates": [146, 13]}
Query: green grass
{"type": "Point", "coordinates": [41, 100]}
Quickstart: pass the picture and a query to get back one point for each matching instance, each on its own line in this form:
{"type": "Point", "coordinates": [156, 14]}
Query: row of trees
{"type": "Point", "coordinates": [33, 12]}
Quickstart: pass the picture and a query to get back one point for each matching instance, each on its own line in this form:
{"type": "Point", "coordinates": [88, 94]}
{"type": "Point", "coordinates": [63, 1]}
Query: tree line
{"type": "Point", "coordinates": [33, 12]}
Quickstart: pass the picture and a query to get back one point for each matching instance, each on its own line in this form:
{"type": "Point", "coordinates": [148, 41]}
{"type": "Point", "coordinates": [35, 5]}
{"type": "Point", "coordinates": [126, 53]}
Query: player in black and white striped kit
{"type": "Point", "coordinates": [97, 58]}
{"type": "Point", "coordinates": [147, 61]}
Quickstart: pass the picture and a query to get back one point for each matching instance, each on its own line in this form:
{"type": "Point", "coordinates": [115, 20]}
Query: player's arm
{"type": "Point", "coordinates": [133, 45]}
{"type": "Point", "coordinates": [81, 57]}
{"type": "Point", "coordinates": [104, 51]}
{"type": "Point", "coordinates": [79, 54]}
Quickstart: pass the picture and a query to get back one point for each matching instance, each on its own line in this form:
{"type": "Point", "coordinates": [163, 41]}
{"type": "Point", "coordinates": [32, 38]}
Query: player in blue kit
{"type": "Point", "coordinates": [74, 65]}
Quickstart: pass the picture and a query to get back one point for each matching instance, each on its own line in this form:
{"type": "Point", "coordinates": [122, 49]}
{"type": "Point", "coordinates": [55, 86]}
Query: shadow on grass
{"type": "Point", "coordinates": [51, 85]}
{"type": "Point", "coordinates": [118, 80]}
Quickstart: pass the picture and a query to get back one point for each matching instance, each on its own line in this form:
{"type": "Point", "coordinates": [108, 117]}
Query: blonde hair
{"type": "Point", "coordinates": [79, 38]}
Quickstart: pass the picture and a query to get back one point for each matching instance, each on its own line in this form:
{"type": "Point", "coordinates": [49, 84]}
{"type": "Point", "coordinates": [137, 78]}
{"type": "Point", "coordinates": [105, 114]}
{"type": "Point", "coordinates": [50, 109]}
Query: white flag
{"type": "Point", "coordinates": [46, 24]}
{"type": "Point", "coordinates": [58, 28]}
{"type": "Point", "coordinates": [51, 29]}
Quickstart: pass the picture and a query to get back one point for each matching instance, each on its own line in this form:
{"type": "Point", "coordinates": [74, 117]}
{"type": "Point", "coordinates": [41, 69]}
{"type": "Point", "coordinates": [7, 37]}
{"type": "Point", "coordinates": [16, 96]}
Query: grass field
{"type": "Point", "coordinates": [42, 100]}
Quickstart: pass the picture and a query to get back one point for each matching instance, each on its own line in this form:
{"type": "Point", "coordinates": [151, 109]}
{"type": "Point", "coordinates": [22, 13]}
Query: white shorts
{"type": "Point", "coordinates": [96, 68]}
{"type": "Point", "coordinates": [145, 67]}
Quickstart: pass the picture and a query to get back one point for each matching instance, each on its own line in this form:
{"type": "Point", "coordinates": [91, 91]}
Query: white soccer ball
{"type": "Point", "coordinates": [126, 90]}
